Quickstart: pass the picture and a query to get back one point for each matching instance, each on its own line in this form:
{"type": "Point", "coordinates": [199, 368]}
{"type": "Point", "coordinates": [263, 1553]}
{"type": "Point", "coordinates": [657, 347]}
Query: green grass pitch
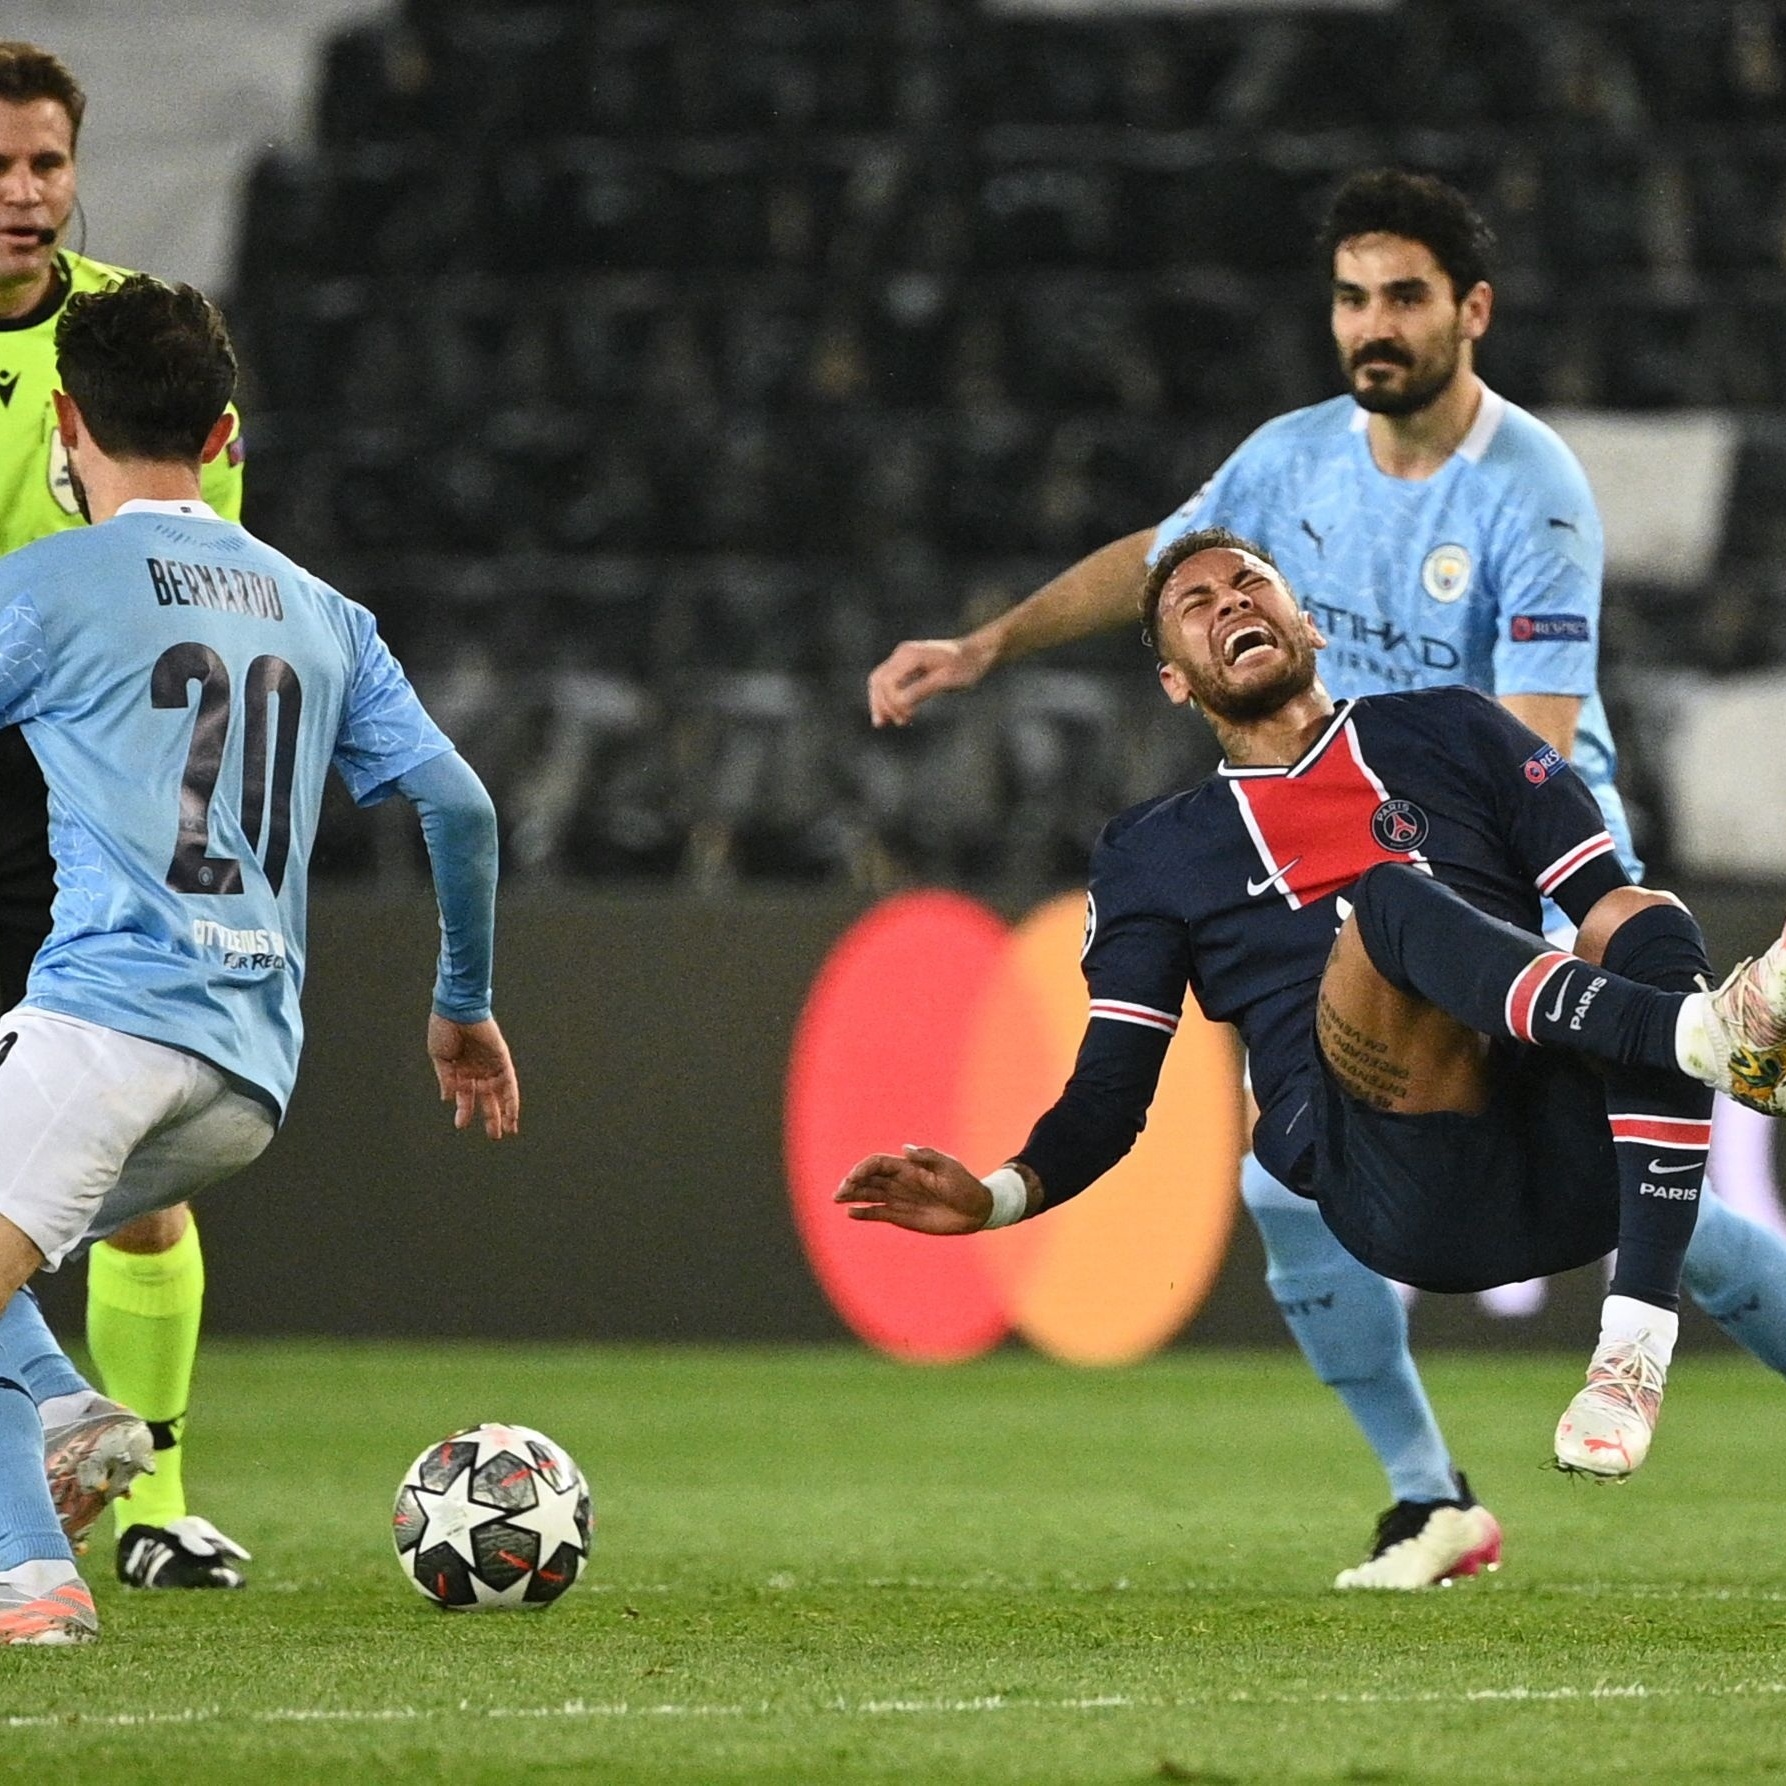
{"type": "Point", "coordinates": [817, 1566]}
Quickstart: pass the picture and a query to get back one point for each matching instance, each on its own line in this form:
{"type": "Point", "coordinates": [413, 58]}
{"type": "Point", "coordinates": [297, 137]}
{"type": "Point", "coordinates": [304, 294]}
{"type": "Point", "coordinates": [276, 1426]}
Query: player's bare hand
{"type": "Point", "coordinates": [476, 1075]}
{"type": "Point", "coordinates": [918, 669]}
{"type": "Point", "coordinates": [920, 1189]}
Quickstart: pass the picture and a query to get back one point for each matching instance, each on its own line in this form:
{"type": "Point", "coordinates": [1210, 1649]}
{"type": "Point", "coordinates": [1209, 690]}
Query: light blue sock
{"type": "Point", "coordinates": [1736, 1272]}
{"type": "Point", "coordinates": [29, 1353]}
{"type": "Point", "coordinates": [1352, 1328]}
{"type": "Point", "coordinates": [29, 1530]}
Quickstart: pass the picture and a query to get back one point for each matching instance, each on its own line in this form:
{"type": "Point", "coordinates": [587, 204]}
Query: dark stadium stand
{"type": "Point", "coordinates": [651, 368]}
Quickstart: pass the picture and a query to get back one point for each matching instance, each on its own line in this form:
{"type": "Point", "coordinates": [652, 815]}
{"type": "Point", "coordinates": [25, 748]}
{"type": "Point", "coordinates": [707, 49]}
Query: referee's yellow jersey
{"type": "Point", "coordinates": [36, 497]}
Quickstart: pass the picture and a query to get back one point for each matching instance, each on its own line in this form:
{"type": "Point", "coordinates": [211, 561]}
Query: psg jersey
{"type": "Point", "coordinates": [1486, 573]}
{"type": "Point", "coordinates": [1238, 887]}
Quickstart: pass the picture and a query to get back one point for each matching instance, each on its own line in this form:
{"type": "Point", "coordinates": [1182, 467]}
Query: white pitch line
{"type": "Point", "coordinates": [600, 1710]}
{"type": "Point", "coordinates": [782, 1583]}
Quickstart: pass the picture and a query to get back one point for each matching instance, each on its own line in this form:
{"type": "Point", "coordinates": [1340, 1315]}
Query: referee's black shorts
{"type": "Point", "coordinates": [1455, 1203]}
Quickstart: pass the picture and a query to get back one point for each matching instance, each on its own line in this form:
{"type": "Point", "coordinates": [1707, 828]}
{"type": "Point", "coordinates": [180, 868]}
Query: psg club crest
{"type": "Point", "coordinates": [1445, 574]}
{"type": "Point", "coordinates": [1091, 926]}
{"type": "Point", "coordinates": [1399, 825]}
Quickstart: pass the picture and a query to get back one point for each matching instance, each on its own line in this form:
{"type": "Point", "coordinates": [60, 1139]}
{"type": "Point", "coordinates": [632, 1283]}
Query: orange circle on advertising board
{"type": "Point", "coordinates": [931, 1022]}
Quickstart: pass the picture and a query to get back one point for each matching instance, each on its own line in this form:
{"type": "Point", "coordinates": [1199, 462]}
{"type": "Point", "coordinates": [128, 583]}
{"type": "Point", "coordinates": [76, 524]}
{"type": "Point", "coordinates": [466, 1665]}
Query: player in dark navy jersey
{"type": "Point", "coordinates": [1439, 534]}
{"type": "Point", "coordinates": [1357, 890]}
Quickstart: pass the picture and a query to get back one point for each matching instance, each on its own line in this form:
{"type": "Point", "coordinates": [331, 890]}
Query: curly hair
{"type": "Point", "coordinates": [1394, 202]}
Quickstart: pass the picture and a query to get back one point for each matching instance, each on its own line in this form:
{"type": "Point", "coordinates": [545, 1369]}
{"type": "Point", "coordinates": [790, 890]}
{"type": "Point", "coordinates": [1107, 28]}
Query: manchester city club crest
{"type": "Point", "coordinates": [1399, 825]}
{"type": "Point", "coordinates": [1445, 574]}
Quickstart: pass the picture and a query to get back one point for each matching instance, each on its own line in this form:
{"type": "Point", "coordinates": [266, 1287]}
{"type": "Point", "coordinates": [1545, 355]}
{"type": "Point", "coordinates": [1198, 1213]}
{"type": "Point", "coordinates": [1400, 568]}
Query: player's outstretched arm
{"type": "Point", "coordinates": [471, 1060]}
{"type": "Point", "coordinates": [1094, 595]}
{"type": "Point", "coordinates": [923, 1190]}
{"type": "Point", "coordinates": [476, 1074]}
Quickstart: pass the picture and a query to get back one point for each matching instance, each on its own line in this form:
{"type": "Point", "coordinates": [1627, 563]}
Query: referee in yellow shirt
{"type": "Point", "coordinates": [146, 1284]}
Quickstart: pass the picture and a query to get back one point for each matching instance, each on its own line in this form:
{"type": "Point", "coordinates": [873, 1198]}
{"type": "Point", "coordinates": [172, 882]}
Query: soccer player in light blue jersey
{"type": "Point", "coordinates": [1438, 534]}
{"type": "Point", "coordinates": [186, 690]}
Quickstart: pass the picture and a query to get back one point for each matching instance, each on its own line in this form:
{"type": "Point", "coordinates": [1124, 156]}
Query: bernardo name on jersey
{"type": "Point", "coordinates": [186, 688]}
{"type": "Point", "coordinates": [36, 500]}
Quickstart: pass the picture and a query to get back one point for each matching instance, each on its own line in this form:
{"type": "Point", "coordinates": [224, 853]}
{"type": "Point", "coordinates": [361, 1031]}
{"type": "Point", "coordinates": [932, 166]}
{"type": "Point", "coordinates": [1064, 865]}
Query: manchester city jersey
{"type": "Point", "coordinates": [37, 499]}
{"type": "Point", "coordinates": [185, 689]}
{"type": "Point", "coordinates": [1487, 573]}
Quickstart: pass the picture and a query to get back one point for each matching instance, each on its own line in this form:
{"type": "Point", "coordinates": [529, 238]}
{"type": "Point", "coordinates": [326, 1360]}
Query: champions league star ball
{"type": "Point", "coordinates": [492, 1516]}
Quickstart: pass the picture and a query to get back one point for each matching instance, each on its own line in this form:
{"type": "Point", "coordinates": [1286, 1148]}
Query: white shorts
{"type": "Point", "coordinates": [97, 1127]}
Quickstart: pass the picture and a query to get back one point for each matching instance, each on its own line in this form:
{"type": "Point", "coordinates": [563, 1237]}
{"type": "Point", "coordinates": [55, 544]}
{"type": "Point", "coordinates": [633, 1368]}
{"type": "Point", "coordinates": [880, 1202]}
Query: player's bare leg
{"type": "Point", "coordinates": [1391, 1049]}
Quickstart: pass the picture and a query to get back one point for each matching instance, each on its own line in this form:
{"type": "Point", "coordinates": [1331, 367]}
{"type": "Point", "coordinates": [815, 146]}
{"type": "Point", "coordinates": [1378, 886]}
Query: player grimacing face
{"type": "Point", "coordinates": [1231, 637]}
{"type": "Point", "coordinates": [36, 194]}
{"type": "Point", "coordinates": [1401, 332]}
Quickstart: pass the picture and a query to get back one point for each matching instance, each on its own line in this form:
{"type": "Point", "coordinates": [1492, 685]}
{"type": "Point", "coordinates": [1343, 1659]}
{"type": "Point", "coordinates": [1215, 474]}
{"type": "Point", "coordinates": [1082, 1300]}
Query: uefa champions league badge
{"type": "Point", "coordinates": [1543, 764]}
{"type": "Point", "coordinates": [1091, 926]}
{"type": "Point", "coordinates": [1445, 574]}
{"type": "Point", "coordinates": [1399, 826]}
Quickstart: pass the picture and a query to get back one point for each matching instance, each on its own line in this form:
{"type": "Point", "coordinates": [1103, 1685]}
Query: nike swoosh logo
{"type": "Point", "coordinates": [1255, 888]}
{"type": "Point", "coordinates": [1659, 1169]}
{"type": "Point", "coordinates": [1556, 1010]}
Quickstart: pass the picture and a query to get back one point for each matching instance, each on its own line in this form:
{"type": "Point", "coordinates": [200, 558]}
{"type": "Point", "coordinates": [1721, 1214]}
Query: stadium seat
{"type": "Point", "coordinates": [733, 341]}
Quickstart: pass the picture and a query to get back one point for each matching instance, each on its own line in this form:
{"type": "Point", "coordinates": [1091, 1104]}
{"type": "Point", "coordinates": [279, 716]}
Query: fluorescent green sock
{"type": "Point", "coordinates": [143, 1314]}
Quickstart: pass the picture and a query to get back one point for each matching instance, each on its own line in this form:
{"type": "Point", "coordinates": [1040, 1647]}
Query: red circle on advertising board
{"type": "Point", "coordinates": [878, 1061]}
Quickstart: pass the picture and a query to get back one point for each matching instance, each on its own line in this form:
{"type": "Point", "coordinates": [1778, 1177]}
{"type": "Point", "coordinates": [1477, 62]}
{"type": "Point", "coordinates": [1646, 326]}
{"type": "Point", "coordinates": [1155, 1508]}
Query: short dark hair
{"type": "Point", "coordinates": [28, 73]}
{"type": "Point", "coordinates": [1188, 545]}
{"type": "Point", "coordinates": [1394, 202]}
{"type": "Point", "coordinates": [149, 365]}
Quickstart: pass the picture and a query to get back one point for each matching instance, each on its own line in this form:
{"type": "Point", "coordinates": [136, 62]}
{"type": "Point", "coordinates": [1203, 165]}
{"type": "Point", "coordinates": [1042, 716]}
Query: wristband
{"type": "Point", "coordinates": [1010, 1197]}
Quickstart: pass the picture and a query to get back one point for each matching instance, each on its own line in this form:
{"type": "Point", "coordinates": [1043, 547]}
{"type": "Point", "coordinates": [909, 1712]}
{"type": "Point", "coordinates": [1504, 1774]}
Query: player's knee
{"type": "Point", "coordinates": [1613, 911]}
{"type": "Point", "coordinates": [1379, 899]}
{"type": "Point", "coordinates": [156, 1232]}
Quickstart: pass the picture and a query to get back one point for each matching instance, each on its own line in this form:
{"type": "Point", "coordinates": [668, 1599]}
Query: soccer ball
{"type": "Point", "coordinates": [492, 1516]}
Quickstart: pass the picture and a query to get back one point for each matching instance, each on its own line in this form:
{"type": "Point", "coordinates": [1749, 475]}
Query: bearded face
{"type": "Point", "coordinates": [1232, 638]}
{"type": "Point", "coordinates": [1400, 330]}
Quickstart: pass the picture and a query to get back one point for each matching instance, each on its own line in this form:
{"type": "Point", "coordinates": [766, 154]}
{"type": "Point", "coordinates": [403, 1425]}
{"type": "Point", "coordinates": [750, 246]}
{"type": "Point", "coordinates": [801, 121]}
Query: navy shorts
{"type": "Point", "coordinates": [1455, 1203]}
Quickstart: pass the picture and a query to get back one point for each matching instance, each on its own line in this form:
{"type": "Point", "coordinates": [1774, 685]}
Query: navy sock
{"type": "Point", "coordinates": [1661, 1121]}
{"type": "Point", "coordinates": [1503, 981]}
